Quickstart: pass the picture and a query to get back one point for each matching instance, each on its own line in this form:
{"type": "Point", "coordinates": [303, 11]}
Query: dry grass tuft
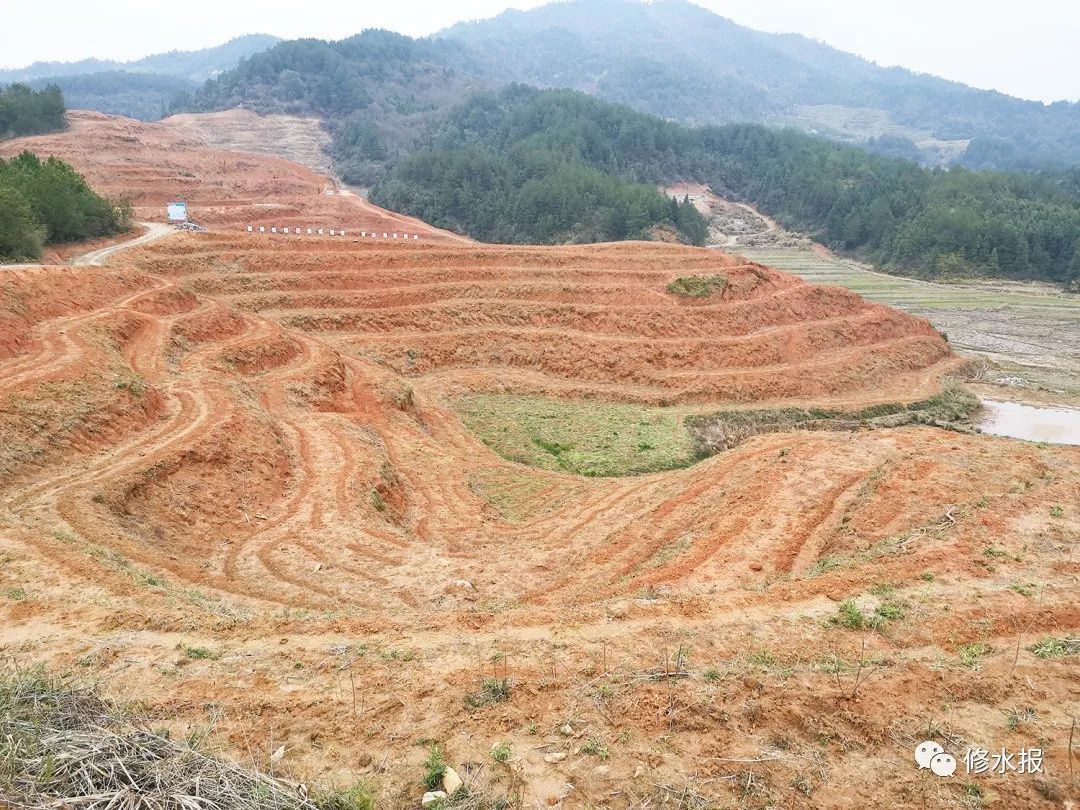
{"type": "Point", "coordinates": [64, 745]}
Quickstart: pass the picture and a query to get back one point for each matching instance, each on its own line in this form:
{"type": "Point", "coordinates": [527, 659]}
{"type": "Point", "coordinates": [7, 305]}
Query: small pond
{"type": "Point", "coordinates": [1034, 423]}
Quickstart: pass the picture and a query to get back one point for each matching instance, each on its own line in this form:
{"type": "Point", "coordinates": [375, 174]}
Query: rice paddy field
{"type": "Point", "coordinates": [1025, 334]}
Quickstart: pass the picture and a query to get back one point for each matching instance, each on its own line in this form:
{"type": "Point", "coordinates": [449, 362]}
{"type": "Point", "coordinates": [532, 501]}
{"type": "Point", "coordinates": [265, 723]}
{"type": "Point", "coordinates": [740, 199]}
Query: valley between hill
{"type": "Point", "coordinates": [236, 486]}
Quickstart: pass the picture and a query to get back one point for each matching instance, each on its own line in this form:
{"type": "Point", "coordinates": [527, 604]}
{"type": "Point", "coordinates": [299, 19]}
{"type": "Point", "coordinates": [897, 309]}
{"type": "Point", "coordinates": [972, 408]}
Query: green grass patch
{"type": "Point", "coordinates": [358, 797]}
{"type": "Point", "coordinates": [434, 768]}
{"type": "Point", "coordinates": [971, 654]}
{"type": "Point", "coordinates": [584, 437]}
{"type": "Point", "coordinates": [697, 286]}
{"type": "Point", "coordinates": [851, 617]}
{"type": "Point", "coordinates": [1054, 647]}
{"type": "Point", "coordinates": [493, 690]}
{"type": "Point", "coordinates": [953, 407]}
{"type": "Point", "coordinates": [592, 438]}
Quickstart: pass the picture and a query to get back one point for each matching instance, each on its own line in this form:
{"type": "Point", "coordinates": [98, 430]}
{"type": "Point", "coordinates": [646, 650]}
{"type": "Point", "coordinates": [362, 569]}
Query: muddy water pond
{"type": "Point", "coordinates": [1057, 425]}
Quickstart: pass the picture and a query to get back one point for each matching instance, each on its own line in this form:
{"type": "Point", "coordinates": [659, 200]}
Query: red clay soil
{"type": "Point", "coordinates": [246, 446]}
{"type": "Point", "coordinates": [152, 164]}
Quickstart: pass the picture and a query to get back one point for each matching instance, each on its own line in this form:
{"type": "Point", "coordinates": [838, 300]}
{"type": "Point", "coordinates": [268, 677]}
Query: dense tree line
{"type": "Point", "coordinates": [47, 201]}
{"type": "Point", "coordinates": [24, 111]}
{"type": "Point", "coordinates": [532, 196]}
{"type": "Point", "coordinates": [531, 167]}
{"type": "Point", "coordinates": [146, 96]}
{"type": "Point", "coordinates": [927, 222]}
{"type": "Point", "coordinates": [376, 91]}
{"type": "Point", "coordinates": [523, 165]}
{"type": "Point", "coordinates": [514, 166]}
{"type": "Point", "coordinates": [620, 50]}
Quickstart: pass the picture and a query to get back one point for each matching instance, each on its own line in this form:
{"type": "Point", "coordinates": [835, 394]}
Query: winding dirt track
{"type": "Point", "coordinates": [248, 445]}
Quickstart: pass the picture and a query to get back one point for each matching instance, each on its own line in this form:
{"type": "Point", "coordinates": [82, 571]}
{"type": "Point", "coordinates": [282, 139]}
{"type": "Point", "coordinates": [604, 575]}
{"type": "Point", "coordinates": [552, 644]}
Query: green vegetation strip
{"type": "Point", "coordinates": [583, 437]}
{"type": "Point", "coordinates": [953, 408]}
{"type": "Point", "coordinates": [592, 438]}
{"type": "Point", "coordinates": [45, 202]}
{"type": "Point", "coordinates": [697, 286]}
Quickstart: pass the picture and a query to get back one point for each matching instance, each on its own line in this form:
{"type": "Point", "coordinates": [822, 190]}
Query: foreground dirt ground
{"type": "Point", "coordinates": [234, 490]}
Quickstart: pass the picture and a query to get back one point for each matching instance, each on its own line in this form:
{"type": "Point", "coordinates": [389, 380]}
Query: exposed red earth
{"type": "Point", "coordinates": [247, 445]}
{"type": "Point", "coordinates": [153, 164]}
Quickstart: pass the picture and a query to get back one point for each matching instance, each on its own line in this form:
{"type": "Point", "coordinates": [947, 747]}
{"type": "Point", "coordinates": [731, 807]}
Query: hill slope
{"type": "Point", "coordinates": [144, 88]}
{"type": "Point", "coordinates": [195, 66]}
{"type": "Point", "coordinates": [237, 489]}
{"type": "Point", "coordinates": [510, 167]}
{"type": "Point", "coordinates": [680, 61]}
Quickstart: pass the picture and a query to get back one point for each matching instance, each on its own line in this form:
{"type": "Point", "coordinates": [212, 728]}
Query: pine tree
{"type": "Point", "coordinates": [21, 237]}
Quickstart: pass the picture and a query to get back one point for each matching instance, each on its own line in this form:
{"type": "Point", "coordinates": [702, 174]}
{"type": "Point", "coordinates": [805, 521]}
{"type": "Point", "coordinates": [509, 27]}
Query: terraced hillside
{"type": "Point", "coordinates": [238, 486]}
{"type": "Point", "coordinates": [1025, 331]}
{"type": "Point", "coordinates": [154, 164]}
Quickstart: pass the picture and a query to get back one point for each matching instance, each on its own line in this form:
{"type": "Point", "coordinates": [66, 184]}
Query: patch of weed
{"type": "Point", "coordinates": [493, 690]}
{"type": "Point", "coordinates": [434, 767]}
{"type": "Point", "coordinates": [1054, 647]}
{"type": "Point", "coordinates": [971, 654]}
{"type": "Point", "coordinates": [697, 286]}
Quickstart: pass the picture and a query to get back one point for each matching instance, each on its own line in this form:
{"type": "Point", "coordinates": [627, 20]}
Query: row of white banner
{"type": "Point", "coordinates": [333, 232]}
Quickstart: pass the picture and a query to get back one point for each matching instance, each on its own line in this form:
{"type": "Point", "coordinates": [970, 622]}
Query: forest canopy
{"type": "Point", "coordinates": [46, 202]}
{"type": "Point", "coordinates": [513, 166]}
{"type": "Point", "coordinates": [24, 111]}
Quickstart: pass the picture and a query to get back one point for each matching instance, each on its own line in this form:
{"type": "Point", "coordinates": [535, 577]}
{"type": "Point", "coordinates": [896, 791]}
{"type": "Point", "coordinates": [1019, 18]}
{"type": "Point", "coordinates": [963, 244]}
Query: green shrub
{"type": "Point", "coordinates": [848, 615]}
{"type": "Point", "coordinates": [493, 690]}
{"type": "Point", "coordinates": [697, 286]}
{"type": "Point", "coordinates": [971, 654]}
{"type": "Point", "coordinates": [1054, 647]}
{"type": "Point", "coordinates": [47, 201]}
{"type": "Point", "coordinates": [434, 767]}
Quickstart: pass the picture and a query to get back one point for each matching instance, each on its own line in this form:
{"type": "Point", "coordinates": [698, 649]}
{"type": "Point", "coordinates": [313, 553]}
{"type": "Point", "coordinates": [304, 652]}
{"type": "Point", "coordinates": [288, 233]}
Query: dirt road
{"type": "Point", "coordinates": [96, 258]}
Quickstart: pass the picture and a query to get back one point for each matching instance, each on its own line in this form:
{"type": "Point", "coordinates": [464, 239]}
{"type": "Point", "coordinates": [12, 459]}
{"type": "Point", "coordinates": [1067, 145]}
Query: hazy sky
{"type": "Point", "coordinates": [1029, 49]}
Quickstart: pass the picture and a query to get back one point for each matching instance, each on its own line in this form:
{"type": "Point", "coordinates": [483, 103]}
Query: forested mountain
{"type": "Point", "coordinates": [519, 166]}
{"type": "Point", "coordinates": [24, 111]}
{"type": "Point", "coordinates": [680, 61]}
{"type": "Point", "coordinates": [145, 88]}
{"type": "Point", "coordinates": [146, 96]}
{"type": "Point", "coordinates": [668, 57]}
{"type": "Point", "coordinates": [195, 66]}
{"type": "Point", "coordinates": [377, 91]}
{"type": "Point", "coordinates": [542, 167]}
{"type": "Point", "coordinates": [425, 123]}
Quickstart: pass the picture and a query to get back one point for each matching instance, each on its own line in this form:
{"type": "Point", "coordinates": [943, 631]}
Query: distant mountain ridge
{"type": "Point", "coordinates": [194, 66]}
{"type": "Point", "coordinates": [144, 88]}
{"type": "Point", "coordinates": [683, 62]}
{"type": "Point", "coordinates": [670, 58]}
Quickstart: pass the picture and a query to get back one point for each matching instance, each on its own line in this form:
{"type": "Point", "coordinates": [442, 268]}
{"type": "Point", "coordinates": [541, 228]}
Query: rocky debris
{"type": "Point", "coordinates": [459, 586]}
{"type": "Point", "coordinates": [554, 759]}
{"type": "Point", "coordinates": [451, 782]}
{"type": "Point", "coordinates": [567, 730]}
{"type": "Point", "coordinates": [618, 610]}
{"type": "Point", "coordinates": [433, 798]}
